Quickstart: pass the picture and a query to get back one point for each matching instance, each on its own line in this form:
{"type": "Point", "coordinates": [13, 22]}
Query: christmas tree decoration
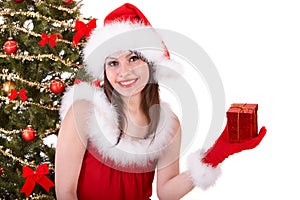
{"type": "Point", "coordinates": [27, 70]}
{"type": "Point", "coordinates": [28, 25]}
{"type": "Point", "coordinates": [83, 30]}
{"type": "Point", "coordinates": [67, 2]}
{"type": "Point", "coordinates": [10, 46]}
{"type": "Point", "coordinates": [7, 86]}
{"type": "Point", "coordinates": [28, 134]}
{"type": "Point", "coordinates": [14, 94]}
{"type": "Point", "coordinates": [48, 39]}
{"type": "Point", "coordinates": [59, 35]}
{"type": "Point", "coordinates": [57, 86]}
{"type": "Point", "coordinates": [96, 83]}
{"type": "Point", "coordinates": [33, 177]}
{"type": "Point", "coordinates": [1, 171]}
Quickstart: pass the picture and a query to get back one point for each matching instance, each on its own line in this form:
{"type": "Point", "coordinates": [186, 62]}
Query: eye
{"type": "Point", "coordinates": [133, 58]}
{"type": "Point", "coordinates": [112, 63]}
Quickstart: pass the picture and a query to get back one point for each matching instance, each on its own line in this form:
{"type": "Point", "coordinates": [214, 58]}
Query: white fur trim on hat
{"type": "Point", "coordinates": [103, 130]}
{"type": "Point", "coordinates": [123, 36]}
{"type": "Point", "coordinates": [202, 174]}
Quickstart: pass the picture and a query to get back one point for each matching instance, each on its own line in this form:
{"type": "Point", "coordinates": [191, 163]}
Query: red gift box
{"type": "Point", "coordinates": [242, 122]}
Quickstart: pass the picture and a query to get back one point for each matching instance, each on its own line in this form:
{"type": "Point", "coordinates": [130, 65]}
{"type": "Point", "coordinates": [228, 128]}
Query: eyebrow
{"type": "Point", "coordinates": [114, 58]}
{"type": "Point", "coordinates": [130, 53]}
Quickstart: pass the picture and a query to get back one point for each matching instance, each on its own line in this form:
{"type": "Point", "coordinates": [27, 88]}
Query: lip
{"type": "Point", "coordinates": [127, 83]}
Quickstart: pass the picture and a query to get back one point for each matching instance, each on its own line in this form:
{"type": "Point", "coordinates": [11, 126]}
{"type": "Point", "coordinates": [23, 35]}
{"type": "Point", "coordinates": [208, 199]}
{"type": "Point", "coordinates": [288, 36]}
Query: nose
{"type": "Point", "coordinates": [124, 68]}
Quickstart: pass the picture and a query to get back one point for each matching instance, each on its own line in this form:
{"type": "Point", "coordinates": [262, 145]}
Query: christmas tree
{"type": "Point", "coordinates": [38, 59]}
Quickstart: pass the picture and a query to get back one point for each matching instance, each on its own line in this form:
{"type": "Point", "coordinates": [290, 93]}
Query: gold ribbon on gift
{"type": "Point", "coordinates": [242, 107]}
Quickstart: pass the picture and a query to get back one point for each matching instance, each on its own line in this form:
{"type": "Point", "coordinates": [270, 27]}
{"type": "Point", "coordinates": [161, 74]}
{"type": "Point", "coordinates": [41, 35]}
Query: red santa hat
{"type": "Point", "coordinates": [126, 28]}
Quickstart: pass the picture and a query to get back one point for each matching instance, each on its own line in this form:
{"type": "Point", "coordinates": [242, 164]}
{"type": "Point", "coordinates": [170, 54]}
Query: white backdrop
{"type": "Point", "coordinates": [255, 46]}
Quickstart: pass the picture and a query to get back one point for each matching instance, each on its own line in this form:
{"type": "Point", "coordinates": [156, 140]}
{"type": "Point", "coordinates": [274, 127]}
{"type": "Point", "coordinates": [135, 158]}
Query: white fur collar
{"type": "Point", "coordinates": [103, 130]}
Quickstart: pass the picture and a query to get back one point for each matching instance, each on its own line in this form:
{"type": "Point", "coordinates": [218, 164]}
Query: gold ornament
{"type": "Point", "coordinates": [8, 86]}
{"type": "Point", "coordinates": [59, 35]}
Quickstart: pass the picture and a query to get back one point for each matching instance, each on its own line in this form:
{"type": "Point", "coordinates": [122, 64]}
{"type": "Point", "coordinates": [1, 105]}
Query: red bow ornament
{"type": "Point", "coordinates": [14, 94]}
{"type": "Point", "coordinates": [48, 39]}
{"type": "Point", "coordinates": [83, 29]}
{"type": "Point", "coordinates": [96, 83]}
{"type": "Point", "coordinates": [33, 177]}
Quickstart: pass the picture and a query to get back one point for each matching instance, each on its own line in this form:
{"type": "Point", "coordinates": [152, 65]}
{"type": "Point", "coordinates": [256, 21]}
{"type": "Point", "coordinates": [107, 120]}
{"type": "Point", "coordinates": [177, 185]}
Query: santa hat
{"type": "Point", "coordinates": [126, 28]}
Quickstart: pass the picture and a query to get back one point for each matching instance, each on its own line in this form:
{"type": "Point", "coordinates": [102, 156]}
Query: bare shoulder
{"type": "Point", "coordinates": [170, 155]}
{"type": "Point", "coordinates": [176, 126]}
{"type": "Point", "coordinates": [75, 121]}
{"type": "Point", "coordinates": [82, 105]}
{"type": "Point", "coordinates": [80, 108]}
{"type": "Point", "coordinates": [169, 120]}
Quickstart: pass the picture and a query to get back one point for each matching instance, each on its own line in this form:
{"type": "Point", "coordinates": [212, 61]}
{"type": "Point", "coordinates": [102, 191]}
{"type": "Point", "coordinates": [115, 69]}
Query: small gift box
{"type": "Point", "coordinates": [242, 122]}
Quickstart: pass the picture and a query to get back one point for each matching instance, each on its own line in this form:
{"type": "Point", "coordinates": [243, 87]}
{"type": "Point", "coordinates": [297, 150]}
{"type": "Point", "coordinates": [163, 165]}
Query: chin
{"type": "Point", "coordinates": [130, 92]}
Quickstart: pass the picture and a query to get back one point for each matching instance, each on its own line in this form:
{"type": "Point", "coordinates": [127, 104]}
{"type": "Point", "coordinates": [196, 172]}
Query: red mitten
{"type": "Point", "coordinates": [203, 167]}
{"type": "Point", "coordinates": [222, 149]}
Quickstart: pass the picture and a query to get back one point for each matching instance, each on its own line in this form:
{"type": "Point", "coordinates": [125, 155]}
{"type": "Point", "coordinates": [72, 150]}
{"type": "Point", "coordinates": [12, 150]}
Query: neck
{"type": "Point", "coordinates": [132, 104]}
{"type": "Point", "coordinates": [134, 111]}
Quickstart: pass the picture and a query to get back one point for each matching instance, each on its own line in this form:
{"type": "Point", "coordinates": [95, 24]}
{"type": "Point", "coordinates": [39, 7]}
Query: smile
{"type": "Point", "coordinates": [127, 83]}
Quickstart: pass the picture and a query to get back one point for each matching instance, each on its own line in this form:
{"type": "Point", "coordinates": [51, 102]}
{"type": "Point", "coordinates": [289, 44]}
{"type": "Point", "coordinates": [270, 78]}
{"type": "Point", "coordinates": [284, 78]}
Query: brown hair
{"type": "Point", "coordinates": [150, 101]}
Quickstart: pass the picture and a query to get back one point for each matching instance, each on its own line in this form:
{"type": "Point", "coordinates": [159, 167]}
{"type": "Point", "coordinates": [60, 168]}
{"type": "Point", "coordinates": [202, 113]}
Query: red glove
{"type": "Point", "coordinates": [222, 149]}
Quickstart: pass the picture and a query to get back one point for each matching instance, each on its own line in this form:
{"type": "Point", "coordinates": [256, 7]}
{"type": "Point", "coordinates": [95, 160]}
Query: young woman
{"type": "Point", "coordinates": [113, 138]}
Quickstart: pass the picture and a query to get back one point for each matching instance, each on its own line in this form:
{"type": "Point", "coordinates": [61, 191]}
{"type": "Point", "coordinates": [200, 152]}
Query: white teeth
{"type": "Point", "coordinates": [127, 82]}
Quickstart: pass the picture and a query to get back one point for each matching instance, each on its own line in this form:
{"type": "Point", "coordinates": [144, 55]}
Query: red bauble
{"type": "Point", "coordinates": [28, 134]}
{"type": "Point", "coordinates": [66, 2]}
{"type": "Point", "coordinates": [10, 46]}
{"type": "Point", "coordinates": [18, 1]}
{"type": "Point", "coordinates": [57, 86]}
{"type": "Point", "coordinates": [1, 170]}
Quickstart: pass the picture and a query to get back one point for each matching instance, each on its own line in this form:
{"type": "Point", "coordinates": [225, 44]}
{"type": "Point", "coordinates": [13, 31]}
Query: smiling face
{"type": "Point", "coordinates": [127, 73]}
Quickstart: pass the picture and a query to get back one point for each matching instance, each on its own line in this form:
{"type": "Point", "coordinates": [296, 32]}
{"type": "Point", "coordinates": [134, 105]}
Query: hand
{"type": "Point", "coordinates": [223, 149]}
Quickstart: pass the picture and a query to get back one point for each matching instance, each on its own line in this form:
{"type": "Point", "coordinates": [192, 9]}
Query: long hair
{"type": "Point", "coordinates": [150, 103]}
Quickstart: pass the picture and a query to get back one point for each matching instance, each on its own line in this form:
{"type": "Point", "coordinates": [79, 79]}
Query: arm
{"type": "Point", "coordinates": [203, 169]}
{"type": "Point", "coordinates": [170, 183]}
{"type": "Point", "coordinates": [71, 146]}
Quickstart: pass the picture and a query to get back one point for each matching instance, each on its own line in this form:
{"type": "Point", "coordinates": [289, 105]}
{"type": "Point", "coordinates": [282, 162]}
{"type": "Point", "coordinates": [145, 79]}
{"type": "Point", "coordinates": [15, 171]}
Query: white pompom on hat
{"type": "Point", "coordinates": [126, 28]}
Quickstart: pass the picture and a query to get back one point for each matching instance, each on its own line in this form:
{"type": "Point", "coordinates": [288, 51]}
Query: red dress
{"type": "Point", "coordinates": [100, 181]}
